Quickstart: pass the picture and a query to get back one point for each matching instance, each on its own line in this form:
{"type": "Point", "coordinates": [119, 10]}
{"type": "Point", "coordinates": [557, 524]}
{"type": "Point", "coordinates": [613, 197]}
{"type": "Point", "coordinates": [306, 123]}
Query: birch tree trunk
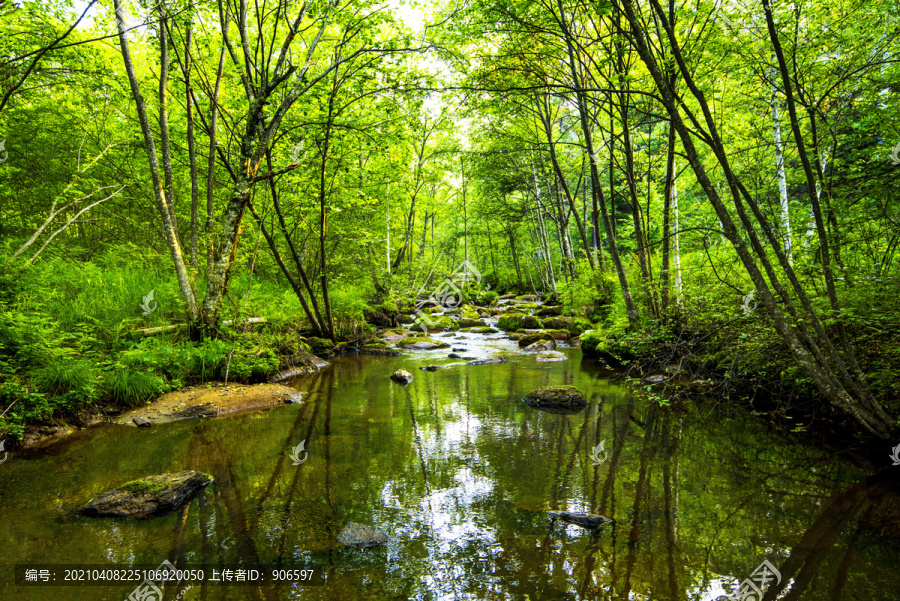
{"type": "Point", "coordinates": [185, 283]}
{"type": "Point", "coordinates": [782, 181]}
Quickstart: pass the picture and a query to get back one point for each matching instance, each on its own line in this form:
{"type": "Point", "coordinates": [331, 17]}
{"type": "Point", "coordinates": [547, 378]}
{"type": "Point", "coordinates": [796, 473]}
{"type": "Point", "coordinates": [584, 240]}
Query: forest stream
{"type": "Point", "coordinates": [459, 473]}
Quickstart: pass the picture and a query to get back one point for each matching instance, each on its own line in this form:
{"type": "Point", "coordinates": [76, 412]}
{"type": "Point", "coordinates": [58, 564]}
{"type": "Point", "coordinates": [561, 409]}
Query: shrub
{"type": "Point", "coordinates": [488, 297]}
{"type": "Point", "coordinates": [130, 388]}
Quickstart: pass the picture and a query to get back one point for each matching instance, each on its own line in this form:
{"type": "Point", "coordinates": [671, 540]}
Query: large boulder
{"type": "Point", "coordinates": [530, 322]}
{"type": "Point", "coordinates": [440, 324]}
{"type": "Point", "coordinates": [418, 343]}
{"type": "Point", "coordinates": [509, 322]}
{"type": "Point", "coordinates": [560, 398]}
{"type": "Point", "coordinates": [593, 344]}
{"type": "Point", "coordinates": [401, 376]}
{"type": "Point", "coordinates": [359, 535]}
{"type": "Point", "coordinates": [148, 497]}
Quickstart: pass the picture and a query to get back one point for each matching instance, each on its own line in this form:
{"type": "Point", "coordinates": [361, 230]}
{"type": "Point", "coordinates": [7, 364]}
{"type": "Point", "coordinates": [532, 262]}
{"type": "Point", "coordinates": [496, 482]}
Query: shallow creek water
{"type": "Point", "coordinates": [459, 473]}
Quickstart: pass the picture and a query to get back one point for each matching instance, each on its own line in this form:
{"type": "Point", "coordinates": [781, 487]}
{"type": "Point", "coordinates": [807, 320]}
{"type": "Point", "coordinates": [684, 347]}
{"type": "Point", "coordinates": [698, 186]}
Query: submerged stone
{"type": "Point", "coordinates": [585, 520]}
{"type": "Point", "coordinates": [360, 535]}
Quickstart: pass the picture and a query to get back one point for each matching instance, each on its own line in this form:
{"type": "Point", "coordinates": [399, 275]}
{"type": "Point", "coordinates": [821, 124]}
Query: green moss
{"type": "Point", "coordinates": [319, 345]}
{"type": "Point", "coordinates": [509, 323]}
{"type": "Point", "coordinates": [414, 339]}
{"type": "Point", "coordinates": [142, 486]}
{"type": "Point", "coordinates": [591, 340]}
{"type": "Point", "coordinates": [530, 322]}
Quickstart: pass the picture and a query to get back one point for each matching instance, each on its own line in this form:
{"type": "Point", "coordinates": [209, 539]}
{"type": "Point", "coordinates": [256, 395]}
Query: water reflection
{"type": "Point", "coordinates": [460, 473]}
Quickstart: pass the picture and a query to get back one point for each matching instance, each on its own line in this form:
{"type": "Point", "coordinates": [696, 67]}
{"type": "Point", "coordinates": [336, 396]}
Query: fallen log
{"type": "Point", "coordinates": [159, 330]}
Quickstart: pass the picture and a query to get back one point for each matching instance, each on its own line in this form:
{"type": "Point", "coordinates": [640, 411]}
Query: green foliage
{"type": "Point", "coordinates": [487, 297]}
{"type": "Point", "coordinates": [586, 295]}
{"type": "Point", "coordinates": [248, 366]}
{"type": "Point", "coordinates": [131, 388]}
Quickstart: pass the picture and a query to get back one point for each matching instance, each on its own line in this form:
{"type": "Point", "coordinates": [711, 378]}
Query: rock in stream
{"type": "Point", "coordinates": [360, 535]}
{"type": "Point", "coordinates": [556, 398]}
{"type": "Point", "coordinates": [148, 497]}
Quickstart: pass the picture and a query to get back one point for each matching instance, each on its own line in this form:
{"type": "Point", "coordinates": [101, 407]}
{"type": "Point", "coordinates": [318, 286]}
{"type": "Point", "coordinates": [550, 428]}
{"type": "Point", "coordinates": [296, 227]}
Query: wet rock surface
{"type": "Point", "coordinates": [401, 376]}
{"type": "Point", "coordinates": [560, 398]}
{"type": "Point", "coordinates": [489, 361]}
{"type": "Point", "coordinates": [148, 497]}
{"type": "Point", "coordinates": [590, 521]}
{"type": "Point", "coordinates": [421, 344]}
{"type": "Point", "coordinates": [360, 535]}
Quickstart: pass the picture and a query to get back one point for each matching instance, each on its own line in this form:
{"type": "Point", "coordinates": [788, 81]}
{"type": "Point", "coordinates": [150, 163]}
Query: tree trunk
{"type": "Point", "coordinates": [782, 180]}
{"type": "Point", "coordinates": [630, 308]}
{"type": "Point", "coordinates": [192, 153]}
{"type": "Point", "coordinates": [185, 283]}
{"type": "Point", "coordinates": [839, 389]}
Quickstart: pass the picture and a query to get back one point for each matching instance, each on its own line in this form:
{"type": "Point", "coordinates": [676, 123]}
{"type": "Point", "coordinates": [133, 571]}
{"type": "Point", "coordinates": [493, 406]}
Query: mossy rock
{"type": "Point", "coordinates": [564, 399]}
{"type": "Point", "coordinates": [559, 334]}
{"type": "Point", "coordinates": [421, 343]}
{"type": "Point", "coordinates": [147, 497]}
{"type": "Point", "coordinates": [594, 344]}
{"type": "Point", "coordinates": [509, 322]}
{"type": "Point", "coordinates": [142, 486]}
{"type": "Point", "coordinates": [481, 330]}
{"type": "Point", "coordinates": [405, 319]}
{"type": "Point", "coordinates": [530, 322]}
{"type": "Point", "coordinates": [465, 322]}
{"type": "Point", "coordinates": [488, 297]}
{"type": "Point", "coordinates": [527, 306]}
{"type": "Point", "coordinates": [445, 323]}
{"type": "Point", "coordinates": [319, 345]}
{"type": "Point", "coordinates": [547, 311]}
{"type": "Point", "coordinates": [573, 326]}
{"type": "Point", "coordinates": [530, 339]}
{"type": "Point", "coordinates": [379, 349]}
{"type": "Point", "coordinates": [526, 297]}
{"type": "Point", "coordinates": [468, 312]}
